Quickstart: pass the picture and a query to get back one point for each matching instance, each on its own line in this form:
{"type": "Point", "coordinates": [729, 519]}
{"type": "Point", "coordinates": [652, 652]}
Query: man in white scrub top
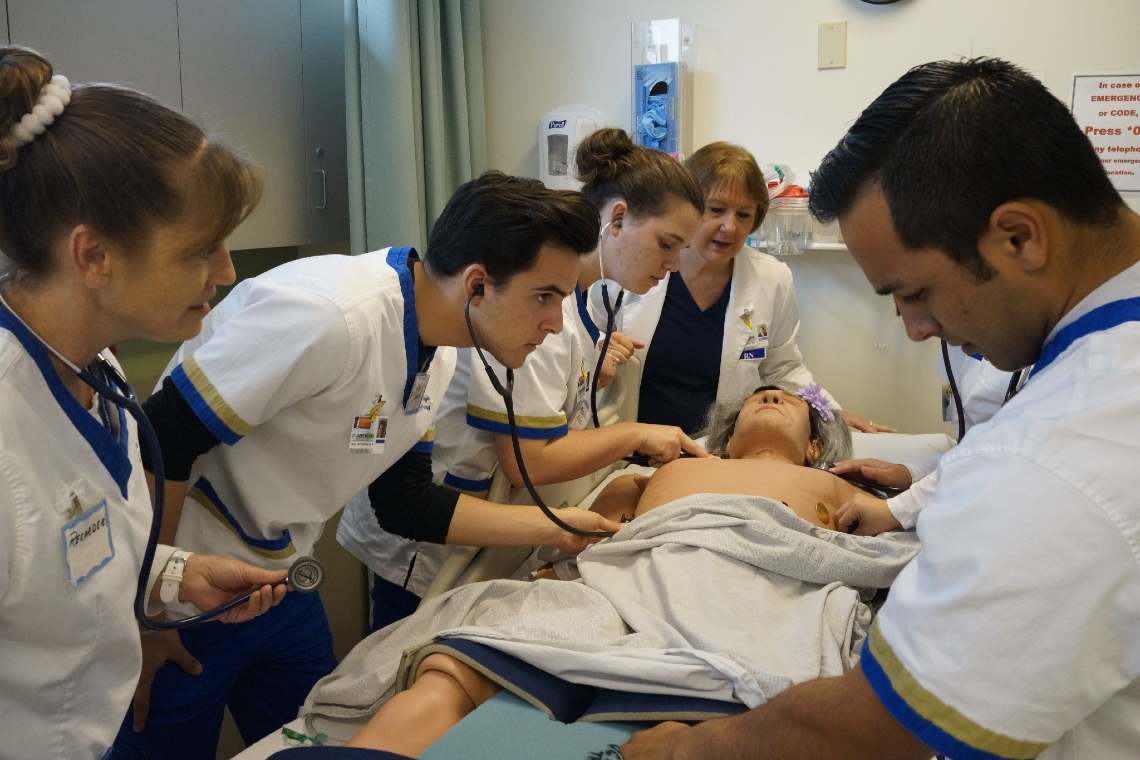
{"type": "Point", "coordinates": [1015, 633]}
{"type": "Point", "coordinates": [309, 383]}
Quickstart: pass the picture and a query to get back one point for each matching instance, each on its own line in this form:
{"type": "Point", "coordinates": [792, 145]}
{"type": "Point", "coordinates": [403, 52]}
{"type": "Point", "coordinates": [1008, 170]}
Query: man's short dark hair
{"type": "Point", "coordinates": [501, 222]}
{"type": "Point", "coordinates": [951, 141]}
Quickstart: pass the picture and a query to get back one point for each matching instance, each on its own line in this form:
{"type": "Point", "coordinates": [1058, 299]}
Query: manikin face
{"type": "Point", "coordinates": [513, 317]}
{"type": "Point", "coordinates": [939, 298]}
{"type": "Point", "coordinates": [638, 252]}
{"type": "Point", "coordinates": [730, 215]}
{"type": "Point", "coordinates": [774, 420]}
{"type": "Point", "coordinates": [163, 293]}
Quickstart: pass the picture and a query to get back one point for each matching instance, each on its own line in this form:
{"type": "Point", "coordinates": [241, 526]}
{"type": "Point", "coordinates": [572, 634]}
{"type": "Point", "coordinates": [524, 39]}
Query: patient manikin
{"type": "Point", "coordinates": [768, 446]}
{"type": "Point", "coordinates": [769, 441]}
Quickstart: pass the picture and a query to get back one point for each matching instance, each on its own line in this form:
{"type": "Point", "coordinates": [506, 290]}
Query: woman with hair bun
{"type": "Point", "coordinates": [114, 212]}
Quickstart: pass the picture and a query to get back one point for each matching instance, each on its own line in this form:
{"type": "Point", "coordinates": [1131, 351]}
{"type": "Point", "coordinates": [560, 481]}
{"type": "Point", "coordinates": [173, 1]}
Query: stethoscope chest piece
{"type": "Point", "coordinates": [306, 575]}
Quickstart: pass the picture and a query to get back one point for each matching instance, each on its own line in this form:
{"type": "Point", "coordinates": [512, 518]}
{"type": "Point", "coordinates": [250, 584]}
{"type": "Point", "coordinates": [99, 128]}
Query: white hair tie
{"type": "Point", "coordinates": [54, 97]}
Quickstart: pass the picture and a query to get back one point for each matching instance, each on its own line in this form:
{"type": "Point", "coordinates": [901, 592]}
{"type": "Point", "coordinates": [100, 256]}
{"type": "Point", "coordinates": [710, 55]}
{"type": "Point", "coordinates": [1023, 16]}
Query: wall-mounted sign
{"type": "Point", "coordinates": [1107, 106]}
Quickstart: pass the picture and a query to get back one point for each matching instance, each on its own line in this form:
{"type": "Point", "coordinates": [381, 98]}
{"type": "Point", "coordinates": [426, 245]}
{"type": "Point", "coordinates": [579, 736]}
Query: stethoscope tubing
{"type": "Point", "coordinates": [129, 401]}
{"type": "Point", "coordinates": [507, 393]}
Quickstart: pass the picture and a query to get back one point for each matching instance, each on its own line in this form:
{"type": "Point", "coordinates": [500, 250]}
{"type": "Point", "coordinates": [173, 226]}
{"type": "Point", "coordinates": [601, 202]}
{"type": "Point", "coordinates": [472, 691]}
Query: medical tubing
{"type": "Point", "coordinates": [129, 401]}
{"type": "Point", "coordinates": [508, 399]}
{"type": "Point", "coordinates": [954, 392]}
{"type": "Point", "coordinates": [530, 486]}
{"type": "Point", "coordinates": [159, 473]}
{"type": "Point", "coordinates": [610, 312]}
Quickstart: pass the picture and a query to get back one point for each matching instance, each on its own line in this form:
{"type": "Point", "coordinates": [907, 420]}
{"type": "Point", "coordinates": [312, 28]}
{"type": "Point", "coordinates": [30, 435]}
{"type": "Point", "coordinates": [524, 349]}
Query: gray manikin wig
{"type": "Point", "coordinates": [834, 437]}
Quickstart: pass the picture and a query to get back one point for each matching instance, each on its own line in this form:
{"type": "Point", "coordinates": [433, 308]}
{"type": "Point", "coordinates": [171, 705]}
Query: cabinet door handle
{"type": "Point", "coordinates": [324, 191]}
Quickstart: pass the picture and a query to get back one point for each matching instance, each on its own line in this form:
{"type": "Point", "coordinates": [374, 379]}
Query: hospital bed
{"type": "Point", "coordinates": [507, 726]}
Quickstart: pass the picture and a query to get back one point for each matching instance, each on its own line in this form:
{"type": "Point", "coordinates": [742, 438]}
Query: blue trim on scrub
{"type": "Point", "coordinates": [1099, 319]}
{"type": "Point", "coordinates": [398, 259]}
{"type": "Point", "coordinates": [977, 357]}
{"type": "Point", "coordinates": [502, 428]}
{"type": "Point", "coordinates": [584, 315]}
{"type": "Point", "coordinates": [423, 447]}
{"type": "Point", "coordinates": [931, 735]}
{"type": "Point", "coordinates": [202, 409]}
{"type": "Point", "coordinates": [112, 453]}
{"type": "Point", "coordinates": [268, 544]}
{"type": "Point", "coordinates": [466, 484]}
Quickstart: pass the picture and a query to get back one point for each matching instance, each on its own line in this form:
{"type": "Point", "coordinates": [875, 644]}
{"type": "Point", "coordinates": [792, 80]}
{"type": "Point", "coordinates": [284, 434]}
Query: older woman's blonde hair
{"type": "Point", "coordinates": [724, 165]}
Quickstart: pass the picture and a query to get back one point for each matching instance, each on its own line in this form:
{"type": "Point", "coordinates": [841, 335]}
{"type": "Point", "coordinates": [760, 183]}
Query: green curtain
{"type": "Point", "coordinates": [416, 125]}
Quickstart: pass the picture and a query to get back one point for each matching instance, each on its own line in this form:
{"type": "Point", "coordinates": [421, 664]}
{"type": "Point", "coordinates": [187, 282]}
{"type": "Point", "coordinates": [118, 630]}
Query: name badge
{"type": "Point", "coordinates": [87, 544]}
{"type": "Point", "coordinates": [416, 397]}
{"type": "Point", "coordinates": [368, 434]}
{"type": "Point", "coordinates": [753, 353]}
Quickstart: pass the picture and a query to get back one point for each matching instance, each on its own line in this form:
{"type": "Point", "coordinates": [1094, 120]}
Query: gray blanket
{"type": "Point", "coordinates": [713, 596]}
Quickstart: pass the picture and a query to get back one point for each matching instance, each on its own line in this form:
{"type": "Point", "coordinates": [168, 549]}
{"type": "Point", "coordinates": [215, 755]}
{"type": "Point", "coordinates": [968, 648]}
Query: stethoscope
{"type": "Point", "coordinates": [507, 392]}
{"type": "Point", "coordinates": [306, 574]}
{"type": "Point", "coordinates": [1015, 383]}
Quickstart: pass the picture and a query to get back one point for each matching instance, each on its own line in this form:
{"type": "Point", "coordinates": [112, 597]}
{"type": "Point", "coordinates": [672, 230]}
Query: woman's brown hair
{"type": "Point", "coordinates": [612, 166]}
{"type": "Point", "coordinates": [115, 160]}
{"type": "Point", "coordinates": [724, 165]}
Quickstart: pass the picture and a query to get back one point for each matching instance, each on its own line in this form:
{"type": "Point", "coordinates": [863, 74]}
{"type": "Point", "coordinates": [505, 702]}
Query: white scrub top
{"type": "Point", "coordinates": [288, 368]}
{"type": "Point", "coordinates": [1016, 631]}
{"type": "Point", "coordinates": [982, 387]}
{"type": "Point", "coordinates": [74, 517]}
{"type": "Point", "coordinates": [760, 325]}
{"type": "Point", "coordinates": [551, 397]}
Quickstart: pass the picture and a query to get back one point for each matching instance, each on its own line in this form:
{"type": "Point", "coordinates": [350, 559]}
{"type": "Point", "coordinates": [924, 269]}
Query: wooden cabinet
{"type": "Point", "coordinates": [266, 76]}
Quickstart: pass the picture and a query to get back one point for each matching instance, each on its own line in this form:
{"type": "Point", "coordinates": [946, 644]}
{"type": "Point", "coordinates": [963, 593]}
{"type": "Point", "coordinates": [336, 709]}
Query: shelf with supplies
{"type": "Point", "coordinates": [763, 246]}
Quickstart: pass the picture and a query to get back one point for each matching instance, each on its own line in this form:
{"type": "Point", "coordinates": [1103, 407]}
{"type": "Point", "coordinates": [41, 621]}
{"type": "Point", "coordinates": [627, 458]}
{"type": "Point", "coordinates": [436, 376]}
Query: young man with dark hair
{"type": "Point", "coordinates": [969, 194]}
{"type": "Point", "coordinates": [318, 376]}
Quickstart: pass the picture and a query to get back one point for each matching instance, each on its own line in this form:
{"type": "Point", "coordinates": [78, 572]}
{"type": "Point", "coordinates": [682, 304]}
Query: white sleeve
{"type": "Point", "coordinates": [280, 347]}
{"type": "Point", "coordinates": [10, 520]}
{"type": "Point", "coordinates": [1020, 616]}
{"type": "Point", "coordinates": [783, 360]}
{"type": "Point", "coordinates": [539, 392]}
{"type": "Point", "coordinates": [906, 506]}
{"type": "Point", "coordinates": [162, 554]}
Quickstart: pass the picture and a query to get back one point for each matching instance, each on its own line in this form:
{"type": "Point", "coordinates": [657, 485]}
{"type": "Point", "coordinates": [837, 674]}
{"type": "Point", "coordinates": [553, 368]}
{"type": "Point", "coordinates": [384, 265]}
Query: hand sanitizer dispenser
{"type": "Point", "coordinates": [559, 133]}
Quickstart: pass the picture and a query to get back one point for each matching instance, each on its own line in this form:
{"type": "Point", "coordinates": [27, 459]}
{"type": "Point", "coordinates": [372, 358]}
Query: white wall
{"type": "Point", "coordinates": [757, 85]}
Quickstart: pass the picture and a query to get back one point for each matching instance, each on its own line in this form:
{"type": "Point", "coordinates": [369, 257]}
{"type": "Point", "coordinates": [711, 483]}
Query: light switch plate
{"type": "Point", "coordinates": [833, 45]}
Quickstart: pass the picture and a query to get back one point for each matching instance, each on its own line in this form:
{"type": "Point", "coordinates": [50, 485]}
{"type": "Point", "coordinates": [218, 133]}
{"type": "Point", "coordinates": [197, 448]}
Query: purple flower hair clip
{"type": "Point", "coordinates": [813, 394]}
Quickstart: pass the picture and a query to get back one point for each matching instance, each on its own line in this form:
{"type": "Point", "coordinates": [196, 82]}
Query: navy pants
{"type": "Point", "coordinates": [262, 669]}
{"type": "Point", "coordinates": [390, 602]}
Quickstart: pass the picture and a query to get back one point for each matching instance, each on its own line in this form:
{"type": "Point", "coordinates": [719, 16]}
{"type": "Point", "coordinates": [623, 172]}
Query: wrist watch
{"type": "Point", "coordinates": [172, 576]}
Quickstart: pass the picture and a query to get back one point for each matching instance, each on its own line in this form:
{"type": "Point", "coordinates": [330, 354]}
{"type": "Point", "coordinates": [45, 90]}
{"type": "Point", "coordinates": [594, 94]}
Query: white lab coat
{"type": "Point", "coordinates": [760, 324]}
{"type": "Point", "coordinates": [70, 655]}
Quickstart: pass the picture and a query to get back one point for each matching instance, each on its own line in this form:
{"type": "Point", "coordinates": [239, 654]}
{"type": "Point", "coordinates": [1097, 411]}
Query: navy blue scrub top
{"type": "Point", "coordinates": [682, 367]}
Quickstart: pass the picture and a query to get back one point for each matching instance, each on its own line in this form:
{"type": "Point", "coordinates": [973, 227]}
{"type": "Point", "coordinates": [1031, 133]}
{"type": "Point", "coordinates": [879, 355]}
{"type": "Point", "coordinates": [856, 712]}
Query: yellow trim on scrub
{"type": "Point", "coordinates": [197, 495]}
{"type": "Point", "coordinates": [535, 423]}
{"type": "Point", "coordinates": [214, 399]}
{"type": "Point", "coordinates": [942, 715]}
